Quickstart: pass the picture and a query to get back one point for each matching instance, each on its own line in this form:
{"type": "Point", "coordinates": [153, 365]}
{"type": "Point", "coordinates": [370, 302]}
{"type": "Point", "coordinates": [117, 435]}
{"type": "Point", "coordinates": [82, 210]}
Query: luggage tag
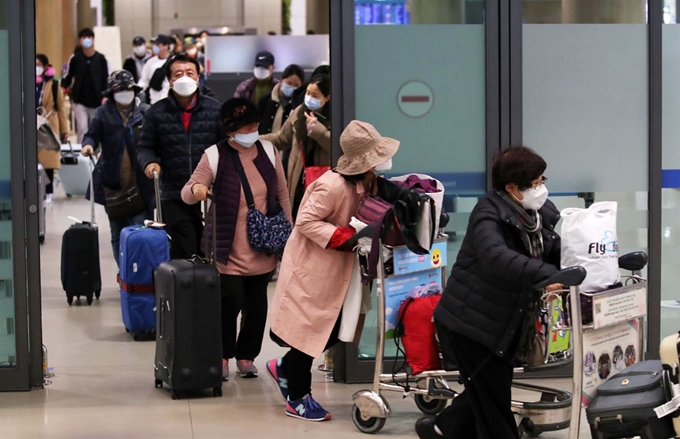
{"type": "Point", "coordinates": [671, 406]}
{"type": "Point", "coordinates": [154, 224]}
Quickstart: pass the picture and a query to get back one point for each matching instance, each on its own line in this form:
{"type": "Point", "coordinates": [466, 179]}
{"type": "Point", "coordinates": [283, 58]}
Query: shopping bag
{"type": "Point", "coordinates": [589, 240]}
{"type": "Point", "coordinates": [352, 306]}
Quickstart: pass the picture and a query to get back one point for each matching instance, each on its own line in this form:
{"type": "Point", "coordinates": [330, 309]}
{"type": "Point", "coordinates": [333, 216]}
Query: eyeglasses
{"type": "Point", "coordinates": [543, 180]}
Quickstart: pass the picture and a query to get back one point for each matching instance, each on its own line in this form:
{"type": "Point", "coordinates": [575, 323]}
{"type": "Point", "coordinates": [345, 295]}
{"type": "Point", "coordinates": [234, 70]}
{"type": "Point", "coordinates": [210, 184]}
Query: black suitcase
{"type": "Point", "coordinates": [188, 326]}
{"type": "Point", "coordinates": [80, 271]}
{"type": "Point", "coordinates": [624, 405]}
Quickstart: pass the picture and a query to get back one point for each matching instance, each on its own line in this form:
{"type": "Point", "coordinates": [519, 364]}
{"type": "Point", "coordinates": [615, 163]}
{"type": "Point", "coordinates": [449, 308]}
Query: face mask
{"type": "Point", "coordinates": [124, 97]}
{"type": "Point", "coordinates": [185, 86]}
{"type": "Point", "coordinates": [383, 168]}
{"type": "Point", "coordinates": [287, 89]}
{"type": "Point", "coordinates": [261, 73]}
{"type": "Point", "coordinates": [192, 52]}
{"type": "Point", "coordinates": [87, 43]}
{"type": "Point", "coordinates": [534, 199]}
{"type": "Point", "coordinates": [156, 49]}
{"type": "Point", "coordinates": [140, 50]}
{"type": "Point", "coordinates": [246, 140]}
{"type": "Point", "coordinates": [39, 71]}
{"type": "Point", "coordinates": [311, 103]}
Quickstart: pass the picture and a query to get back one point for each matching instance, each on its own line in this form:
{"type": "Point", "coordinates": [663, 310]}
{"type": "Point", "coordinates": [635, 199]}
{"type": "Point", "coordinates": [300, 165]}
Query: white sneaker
{"type": "Point", "coordinates": [48, 199]}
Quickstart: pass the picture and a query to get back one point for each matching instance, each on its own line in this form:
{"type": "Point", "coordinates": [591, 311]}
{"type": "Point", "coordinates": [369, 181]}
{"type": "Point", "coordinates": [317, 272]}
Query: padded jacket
{"type": "Point", "coordinates": [178, 151]}
{"type": "Point", "coordinates": [492, 281]}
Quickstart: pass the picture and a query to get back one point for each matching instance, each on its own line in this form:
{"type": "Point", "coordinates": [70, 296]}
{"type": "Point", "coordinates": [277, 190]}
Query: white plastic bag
{"type": "Point", "coordinates": [589, 239]}
{"type": "Point", "coordinates": [352, 306]}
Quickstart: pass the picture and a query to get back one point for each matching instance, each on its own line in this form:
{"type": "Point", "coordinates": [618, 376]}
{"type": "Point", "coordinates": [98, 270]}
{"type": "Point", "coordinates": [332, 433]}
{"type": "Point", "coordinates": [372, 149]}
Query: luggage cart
{"type": "Point", "coordinates": [553, 410]}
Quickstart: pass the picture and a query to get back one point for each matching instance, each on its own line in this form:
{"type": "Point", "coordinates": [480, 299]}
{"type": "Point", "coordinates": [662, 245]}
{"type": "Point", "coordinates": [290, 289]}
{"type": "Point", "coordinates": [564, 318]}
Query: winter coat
{"type": "Point", "coordinates": [178, 151]}
{"type": "Point", "coordinates": [246, 89]}
{"type": "Point", "coordinates": [272, 112]}
{"type": "Point", "coordinates": [286, 138]}
{"type": "Point", "coordinates": [314, 280]}
{"type": "Point", "coordinates": [491, 283]}
{"type": "Point", "coordinates": [108, 132]}
{"type": "Point", "coordinates": [57, 117]}
{"type": "Point", "coordinates": [78, 68]}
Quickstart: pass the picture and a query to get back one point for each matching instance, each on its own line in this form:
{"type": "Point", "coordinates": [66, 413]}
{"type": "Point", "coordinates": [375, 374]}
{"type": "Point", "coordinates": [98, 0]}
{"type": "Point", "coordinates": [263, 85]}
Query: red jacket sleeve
{"type": "Point", "coordinates": [340, 237]}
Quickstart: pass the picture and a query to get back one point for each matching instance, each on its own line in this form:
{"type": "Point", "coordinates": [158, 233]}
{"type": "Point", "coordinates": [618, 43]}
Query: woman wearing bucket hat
{"type": "Point", "coordinates": [115, 129]}
{"type": "Point", "coordinates": [317, 266]}
{"type": "Point", "coordinates": [227, 167]}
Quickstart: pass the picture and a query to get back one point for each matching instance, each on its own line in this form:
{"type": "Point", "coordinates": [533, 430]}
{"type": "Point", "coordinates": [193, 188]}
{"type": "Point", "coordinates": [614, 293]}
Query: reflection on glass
{"type": "Point", "coordinates": [7, 329]}
{"type": "Point", "coordinates": [434, 103]}
{"type": "Point", "coordinates": [584, 11]}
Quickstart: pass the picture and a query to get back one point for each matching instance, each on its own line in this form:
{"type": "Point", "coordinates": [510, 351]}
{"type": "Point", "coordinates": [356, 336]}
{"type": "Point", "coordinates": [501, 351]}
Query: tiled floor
{"type": "Point", "coordinates": [104, 386]}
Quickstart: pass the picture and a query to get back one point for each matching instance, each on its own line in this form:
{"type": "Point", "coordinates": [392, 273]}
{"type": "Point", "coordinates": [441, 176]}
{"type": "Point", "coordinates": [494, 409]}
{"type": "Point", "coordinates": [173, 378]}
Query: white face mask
{"type": "Point", "coordinates": [124, 97]}
{"type": "Point", "coordinates": [185, 86]}
{"type": "Point", "coordinates": [261, 73]}
{"type": "Point", "coordinates": [246, 140]}
{"type": "Point", "coordinates": [534, 199]}
{"type": "Point", "coordinates": [87, 43]}
{"type": "Point", "coordinates": [39, 71]}
{"type": "Point", "coordinates": [383, 168]}
{"type": "Point", "coordinates": [140, 50]}
{"type": "Point", "coordinates": [192, 52]}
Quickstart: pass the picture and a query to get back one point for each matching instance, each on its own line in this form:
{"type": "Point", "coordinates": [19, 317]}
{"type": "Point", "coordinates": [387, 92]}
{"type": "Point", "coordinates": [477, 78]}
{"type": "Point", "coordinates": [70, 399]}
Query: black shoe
{"type": "Point", "coordinates": [425, 428]}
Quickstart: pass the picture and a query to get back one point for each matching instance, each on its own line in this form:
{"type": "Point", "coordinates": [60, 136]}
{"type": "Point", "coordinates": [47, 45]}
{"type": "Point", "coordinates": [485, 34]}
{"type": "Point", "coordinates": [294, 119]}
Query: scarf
{"type": "Point", "coordinates": [533, 239]}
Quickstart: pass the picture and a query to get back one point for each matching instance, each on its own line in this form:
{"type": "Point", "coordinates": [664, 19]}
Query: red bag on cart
{"type": "Point", "coordinates": [416, 317]}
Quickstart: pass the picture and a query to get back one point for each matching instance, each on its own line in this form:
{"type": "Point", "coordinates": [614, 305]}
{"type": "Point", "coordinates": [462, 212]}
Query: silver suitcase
{"type": "Point", "coordinates": [75, 170]}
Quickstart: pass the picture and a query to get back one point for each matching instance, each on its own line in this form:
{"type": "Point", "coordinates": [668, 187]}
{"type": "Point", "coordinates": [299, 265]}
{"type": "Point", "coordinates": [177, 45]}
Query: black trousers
{"type": "Point", "coordinates": [297, 366]}
{"type": "Point", "coordinates": [245, 295]}
{"type": "Point", "coordinates": [184, 224]}
{"type": "Point", "coordinates": [50, 178]}
{"type": "Point", "coordinates": [482, 411]}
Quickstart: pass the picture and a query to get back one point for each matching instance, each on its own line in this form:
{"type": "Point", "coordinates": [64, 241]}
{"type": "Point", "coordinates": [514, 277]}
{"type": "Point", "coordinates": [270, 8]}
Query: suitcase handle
{"type": "Point", "coordinates": [213, 205]}
{"type": "Point", "coordinates": [157, 188]}
{"type": "Point", "coordinates": [91, 188]}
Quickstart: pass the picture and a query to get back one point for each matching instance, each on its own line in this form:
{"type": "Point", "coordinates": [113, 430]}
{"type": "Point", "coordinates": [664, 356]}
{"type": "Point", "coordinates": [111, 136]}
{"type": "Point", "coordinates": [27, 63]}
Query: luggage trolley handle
{"type": "Point", "coordinates": [92, 217]}
{"type": "Point", "coordinates": [213, 207]}
{"type": "Point", "coordinates": [157, 188]}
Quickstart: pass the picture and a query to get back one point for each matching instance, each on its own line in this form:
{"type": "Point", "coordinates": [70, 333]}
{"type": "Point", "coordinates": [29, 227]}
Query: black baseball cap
{"type": "Point", "coordinates": [264, 59]}
{"type": "Point", "coordinates": [164, 39]}
{"type": "Point", "coordinates": [138, 41]}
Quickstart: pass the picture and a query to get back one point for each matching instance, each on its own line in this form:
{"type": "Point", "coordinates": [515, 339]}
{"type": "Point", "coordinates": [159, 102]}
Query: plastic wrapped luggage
{"type": "Point", "coordinates": [80, 271]}
{"type": "Point", "coordinates": [142, 249]}
{"type": "Point", "coordinates": [75, 170]}
{"type": "Point", "coordinates": [624, 405]}
{"type": "Point", "coordinates": [188, 331]}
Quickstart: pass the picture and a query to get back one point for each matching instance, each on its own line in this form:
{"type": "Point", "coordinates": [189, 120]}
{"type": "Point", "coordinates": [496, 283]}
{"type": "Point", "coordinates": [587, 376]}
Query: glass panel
{"type": "Point", "coordinates": [434, 102]}
{"type": "Point", "coordinates": [670, 277]}
{"type": "Point", "coordinates": [7, 329]}
{"type": "Point", "coordinates": [585, 105]}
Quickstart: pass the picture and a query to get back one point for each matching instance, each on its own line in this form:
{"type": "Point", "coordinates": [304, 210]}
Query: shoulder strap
{"type": "Point", "coordinates": [244, 180]}
{"type": "Point", "coordinates": [55, 93]}
{"type": "Point", "coordinates": [269, 149]}
{"type": "Point", "coordinates": [213, 155]}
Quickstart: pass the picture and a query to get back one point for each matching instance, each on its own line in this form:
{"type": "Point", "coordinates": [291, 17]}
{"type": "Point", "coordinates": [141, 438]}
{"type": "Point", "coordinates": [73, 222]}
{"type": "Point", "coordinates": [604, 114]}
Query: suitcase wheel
{"type": "Point", "coordinates": [159, 383]}
{"type": "Point", "coordinates": [69, 299]}
{"type": "Point", "coordinates": [217, 392]}
{"type": "Point", "coordinates": [174, 394]}
{"type": "Point", "coordinates": [90, 299]}
{"type": "Point", "coordinates": [97, 294]}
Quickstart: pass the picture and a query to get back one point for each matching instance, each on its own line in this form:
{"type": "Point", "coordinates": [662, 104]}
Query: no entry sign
{"type": "Point", "coordinates": [415, 99]}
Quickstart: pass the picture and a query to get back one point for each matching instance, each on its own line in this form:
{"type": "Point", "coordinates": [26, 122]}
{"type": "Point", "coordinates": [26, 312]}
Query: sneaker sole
{"type": "Point", "coordinates": [276, 382]}
{"type": "Point", "coordinates": [248, 375]}
{"type": "Point", "coordinates": [302, 418]}
{"type": "Point", "coordinates": [225, 379]}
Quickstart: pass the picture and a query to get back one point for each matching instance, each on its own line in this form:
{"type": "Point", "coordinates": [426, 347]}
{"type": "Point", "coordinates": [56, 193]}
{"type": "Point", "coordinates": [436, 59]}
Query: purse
{"type": "Point", "coordinates": [266, 233]}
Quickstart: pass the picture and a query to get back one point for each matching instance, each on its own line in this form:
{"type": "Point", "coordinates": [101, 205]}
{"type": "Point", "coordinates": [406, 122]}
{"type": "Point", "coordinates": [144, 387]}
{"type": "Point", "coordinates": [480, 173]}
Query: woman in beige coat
{"type": "Point", "coordinates": [317, 266]}
{"type": "Point", "coordinates": [307, 132]}
{"type": "Point", "coordinates": [50, 97]}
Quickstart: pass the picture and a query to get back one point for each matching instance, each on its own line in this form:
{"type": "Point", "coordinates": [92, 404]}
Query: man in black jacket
{"type": "Point", "coordinates": [176, 132]}
{"type": "Point", "coordinates": [490, 306]}
{"type": "Point", "coordinates": [140, 55]}
{"type": "Point", "coordinates": [87, 74]}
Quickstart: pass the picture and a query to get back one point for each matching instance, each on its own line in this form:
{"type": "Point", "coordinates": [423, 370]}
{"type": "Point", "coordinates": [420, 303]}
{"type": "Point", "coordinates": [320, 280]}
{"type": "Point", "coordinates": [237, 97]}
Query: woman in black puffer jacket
{"type": "Point", "coordinates": [488, 311]}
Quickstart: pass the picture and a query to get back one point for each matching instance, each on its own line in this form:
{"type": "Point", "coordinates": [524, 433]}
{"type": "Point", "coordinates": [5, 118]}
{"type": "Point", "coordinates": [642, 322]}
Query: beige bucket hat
{"type": "Point", "coordinates": [364, 148]}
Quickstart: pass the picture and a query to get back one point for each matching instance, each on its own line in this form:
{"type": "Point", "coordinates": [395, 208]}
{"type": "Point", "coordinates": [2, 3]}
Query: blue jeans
{"type": "Point", "coordinates": [118, 225]}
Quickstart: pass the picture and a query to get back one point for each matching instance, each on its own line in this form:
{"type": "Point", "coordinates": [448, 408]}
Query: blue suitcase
{"type": "Point", "coordinates": [142, 249]}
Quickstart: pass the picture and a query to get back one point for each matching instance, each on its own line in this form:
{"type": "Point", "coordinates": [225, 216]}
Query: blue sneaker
{"type": "Point", "coordinates": [274, 369]}
{"type": "Point", "coordinates": [307, 409]}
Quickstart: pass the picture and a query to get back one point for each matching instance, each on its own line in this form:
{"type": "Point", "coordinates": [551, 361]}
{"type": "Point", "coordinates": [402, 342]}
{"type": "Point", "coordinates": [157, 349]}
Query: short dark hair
{"type": "Point", "coordinates": [519, 165]}
{"type": "Point", "coordinates": [323, 69]}
{"type": "Point", "coordinates": [43, 59]}
{"type": "Point", "coordinates": [355, 179]}
{"type": "Point", "coordinates": [323, 82]}
{"type": "Point", "coordinates": [84, 33]}
{"type": "Point", "coordinates": [180, 58]}
{"type": "Point", "coordinates": [294, 70]}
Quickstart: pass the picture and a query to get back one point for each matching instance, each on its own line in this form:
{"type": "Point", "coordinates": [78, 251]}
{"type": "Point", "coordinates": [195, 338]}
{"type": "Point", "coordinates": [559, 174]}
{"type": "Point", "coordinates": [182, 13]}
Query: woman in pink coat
{"type": "Point", "coordinates": [317, 266]}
